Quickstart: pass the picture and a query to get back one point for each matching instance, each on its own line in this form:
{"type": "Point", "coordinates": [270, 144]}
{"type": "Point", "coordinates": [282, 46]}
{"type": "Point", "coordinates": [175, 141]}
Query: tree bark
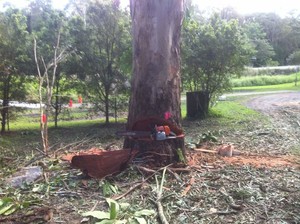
{"type": "Point", "coordinates": [5, 103]}
{"type": "Point", "coordinates": [106, 99]}
{"type": "Point", "coordinates": [156, 82]}
{"type": "Point", "coordinates": [57, 105]}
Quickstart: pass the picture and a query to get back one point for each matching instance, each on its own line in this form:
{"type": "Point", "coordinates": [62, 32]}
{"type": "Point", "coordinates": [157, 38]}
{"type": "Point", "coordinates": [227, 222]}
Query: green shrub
{"type": "Point", "coordinates": [263, 80]}
{"type": "Point", "coordinates": [274, 70]}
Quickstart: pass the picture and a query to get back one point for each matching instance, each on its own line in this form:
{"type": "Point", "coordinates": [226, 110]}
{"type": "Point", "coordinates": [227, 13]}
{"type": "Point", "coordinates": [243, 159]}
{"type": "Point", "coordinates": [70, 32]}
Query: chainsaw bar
{"type": "Point", "coordinates": [146, 135]}
{"type": "Point", "coordinates": [134, 134]}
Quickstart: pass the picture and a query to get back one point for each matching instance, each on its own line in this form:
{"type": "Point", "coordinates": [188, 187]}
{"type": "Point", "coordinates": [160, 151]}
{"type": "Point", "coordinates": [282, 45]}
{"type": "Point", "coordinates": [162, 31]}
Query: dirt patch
{"type": "Point", "coordinates": [262, 161]}
{"type": "Point", "coordinates": [214, 161]}
{"type": "Point", "coordinates": [270, 104]}
{"type": "Point", "coordinates": [283, 109]}
{"type": "Point", "coordinates": [280, 134]}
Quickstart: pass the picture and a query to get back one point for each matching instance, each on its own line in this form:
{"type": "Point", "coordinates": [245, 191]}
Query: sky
{"type": "Point", "coordinates": [281, 7]}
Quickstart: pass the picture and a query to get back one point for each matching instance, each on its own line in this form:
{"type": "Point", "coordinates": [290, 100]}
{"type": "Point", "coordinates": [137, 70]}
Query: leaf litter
{"type": "Point", "coordinates": [261, 185]}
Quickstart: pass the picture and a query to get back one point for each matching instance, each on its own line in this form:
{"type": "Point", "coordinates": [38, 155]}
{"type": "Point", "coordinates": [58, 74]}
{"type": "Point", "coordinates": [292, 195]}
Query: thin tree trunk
{"type": "Point", "coordinates": [49, 87]}
{"type": "Point", "coordinates": [44, 117]}
{"type": "Point", "coordinates": [56, 106]}
{"type": "Point", "coordinates": [5, 104]}
{"type": "Point", "coordinates": [8, 109]}
{"type": "Point", "coordinates": [106, 108]}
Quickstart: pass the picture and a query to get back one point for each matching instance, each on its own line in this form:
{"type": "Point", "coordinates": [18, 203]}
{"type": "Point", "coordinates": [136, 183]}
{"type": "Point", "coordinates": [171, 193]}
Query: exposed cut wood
{"type": "Point", "coordinates": [205, 150]}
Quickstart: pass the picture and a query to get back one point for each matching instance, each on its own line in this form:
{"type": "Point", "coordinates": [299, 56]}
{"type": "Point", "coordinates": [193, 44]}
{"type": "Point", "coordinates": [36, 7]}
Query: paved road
{"type": "Point", "coordinates": [258, 93]}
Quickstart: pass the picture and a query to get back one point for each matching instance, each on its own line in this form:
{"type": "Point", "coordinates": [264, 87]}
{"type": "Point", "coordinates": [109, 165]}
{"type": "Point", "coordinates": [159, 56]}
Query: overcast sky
{"type": "Point", "coordinates": [281, 7]}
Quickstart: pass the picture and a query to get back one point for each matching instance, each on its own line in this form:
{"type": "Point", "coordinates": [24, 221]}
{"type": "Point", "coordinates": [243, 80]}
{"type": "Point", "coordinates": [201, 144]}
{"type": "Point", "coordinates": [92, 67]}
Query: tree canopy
{"type": "Point", "coordinates": [103, 52]}
{"type": "Point", "coordinates": [97, 37]}
{"type": "Point", "coordinates": [213, 51]}
{"type": "Point", "coordinates": [13, 58]}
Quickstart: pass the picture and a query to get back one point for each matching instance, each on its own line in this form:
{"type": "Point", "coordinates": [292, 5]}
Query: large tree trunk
{"type": "Point", "coordinates": [156, 63]}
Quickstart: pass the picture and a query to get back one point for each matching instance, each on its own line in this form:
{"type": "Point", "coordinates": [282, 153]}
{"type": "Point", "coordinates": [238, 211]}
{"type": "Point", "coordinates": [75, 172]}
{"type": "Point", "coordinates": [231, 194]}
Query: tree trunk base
{"type": "Point", "coordinates": [159, 153]}
{"type": "Point", "coordinates": [156, 152]}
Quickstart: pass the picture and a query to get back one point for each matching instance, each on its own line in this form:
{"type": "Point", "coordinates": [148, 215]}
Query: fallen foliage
{"type": "Point", "coordinates": [260, 185]}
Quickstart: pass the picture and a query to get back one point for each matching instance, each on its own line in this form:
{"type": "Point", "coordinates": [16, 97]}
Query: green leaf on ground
{"type": "Point", "coordinates": [141, 220]}
{"type": "Point", "coordinates": [97, 214]}
{"type": "Point", "coordinates": [113, 210]}
{"type": "Point", "coordinates": [6, 208]}
{"type": "Point", "coordinates": [144, 212]}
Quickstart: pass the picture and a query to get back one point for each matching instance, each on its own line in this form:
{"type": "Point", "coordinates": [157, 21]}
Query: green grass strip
{"type": "Point", "coordinates": [285, 86]}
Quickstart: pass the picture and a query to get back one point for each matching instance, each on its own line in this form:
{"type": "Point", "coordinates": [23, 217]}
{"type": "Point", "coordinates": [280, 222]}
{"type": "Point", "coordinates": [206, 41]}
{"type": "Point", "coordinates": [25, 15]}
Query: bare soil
{"type": "Point", "coordinates": [273, 102]}
{"type": "Point", "coordinates": [283, 110]}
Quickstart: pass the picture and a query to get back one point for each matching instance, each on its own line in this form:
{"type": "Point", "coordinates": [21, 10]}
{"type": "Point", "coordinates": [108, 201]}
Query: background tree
{"type": "Point", "coordinates": [78, 9]}
{"type": "Point", "coordinates": [213, 51]}
{"type": "Point", "coordinates": [229, 13]}
{"type": "Point", "coordinates": [264, 51]}
{"type": "Point", "coordinates": [102, 46]}
{"type": "Point", "coordinates": [280, 34]}
{"type": "Point", "coordinates": [13, 57]}
{"type": "Point", "coordinates": [294, 58]}
{"type": "Point", "coordinates": [50, 50]}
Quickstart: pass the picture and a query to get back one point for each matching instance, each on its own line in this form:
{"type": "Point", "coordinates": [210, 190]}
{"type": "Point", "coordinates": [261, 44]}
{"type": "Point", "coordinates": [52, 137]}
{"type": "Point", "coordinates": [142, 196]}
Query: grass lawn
{"type": "Point", "coordinates": [286, 86]}
{"type": "Point", "coordinates": [231, 111]}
